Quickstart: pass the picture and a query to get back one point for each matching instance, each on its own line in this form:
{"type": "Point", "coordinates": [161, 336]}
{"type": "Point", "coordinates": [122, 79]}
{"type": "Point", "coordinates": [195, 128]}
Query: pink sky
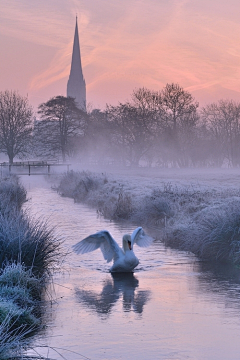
{"type": "Point", "coordinates": [125, 44]}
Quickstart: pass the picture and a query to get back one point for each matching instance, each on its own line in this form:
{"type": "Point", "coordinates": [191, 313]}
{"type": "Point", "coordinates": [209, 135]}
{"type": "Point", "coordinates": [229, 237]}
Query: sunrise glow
{"type": "Point", "coordinates": [124, 45]}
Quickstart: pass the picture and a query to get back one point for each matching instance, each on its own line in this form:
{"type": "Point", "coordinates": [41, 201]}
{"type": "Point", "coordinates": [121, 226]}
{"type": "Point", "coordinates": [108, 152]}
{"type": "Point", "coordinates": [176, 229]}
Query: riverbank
{"type": "Point", "coordinates": [29, 253]}
{"type": "Point", "coordinates": [196, 211]}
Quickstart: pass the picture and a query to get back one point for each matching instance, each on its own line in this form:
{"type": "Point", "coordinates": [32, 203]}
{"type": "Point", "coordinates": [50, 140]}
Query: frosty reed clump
{"type": "Point", "coordinates": [213, 233]}
{"type": "Point", "coordinates": [28, 242]}
{"type": "Point", "coordinates": [20, 295]}
{"type": "Point", "coordinates": [205, 222]}
{"type": "Point", "coordinates": [12, 195]}
{"type": "Point", "coordinates": [29, 251]}
{"type": "Point", "coordinates": [109, 198]}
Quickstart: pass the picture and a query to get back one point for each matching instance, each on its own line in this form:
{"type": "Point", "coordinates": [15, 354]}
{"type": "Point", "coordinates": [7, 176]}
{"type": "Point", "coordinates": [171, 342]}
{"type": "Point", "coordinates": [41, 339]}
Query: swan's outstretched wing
{"type": "Point", "coordinates": [140, 238]}
{"type": "Point", "coordinates": [102, 240]}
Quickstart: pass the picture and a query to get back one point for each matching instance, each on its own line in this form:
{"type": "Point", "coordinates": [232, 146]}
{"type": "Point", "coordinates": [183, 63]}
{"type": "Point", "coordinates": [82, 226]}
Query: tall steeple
{"type": "Point", "coordinates": [76, 86]}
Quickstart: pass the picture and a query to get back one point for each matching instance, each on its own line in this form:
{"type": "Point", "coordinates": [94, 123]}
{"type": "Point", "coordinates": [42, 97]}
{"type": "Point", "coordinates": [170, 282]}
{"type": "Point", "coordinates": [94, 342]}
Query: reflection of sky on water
{"type": "Point", "coordinates": [220, 282]}
{"type": "Point", "coordinates": [174, 307]}
{"type": "Point", "coordinates": [122, 285]}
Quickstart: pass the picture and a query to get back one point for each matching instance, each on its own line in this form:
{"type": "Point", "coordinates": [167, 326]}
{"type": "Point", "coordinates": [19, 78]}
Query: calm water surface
{"type": "Point", "coordinates": [172, 307]}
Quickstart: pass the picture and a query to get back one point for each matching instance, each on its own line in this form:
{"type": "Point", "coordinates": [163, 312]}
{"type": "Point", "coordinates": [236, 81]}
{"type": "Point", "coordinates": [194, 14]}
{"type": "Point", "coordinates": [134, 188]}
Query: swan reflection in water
{"type": "Point", "coordinates": [121, 285]}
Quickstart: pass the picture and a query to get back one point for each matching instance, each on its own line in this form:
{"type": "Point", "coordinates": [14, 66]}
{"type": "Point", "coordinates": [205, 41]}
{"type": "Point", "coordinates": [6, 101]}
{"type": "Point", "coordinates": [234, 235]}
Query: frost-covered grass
{"type": "Point", "coordinates": [20, 299]}
{"type": "Point", "coordinates": [29, 242]}
{"type": "Point", "coordinates": [11, 339]}
{"type": "Point", "coordinates": [23, 240]}
{"type": "Point", "coordinates": [20, 308]}
{"type": "Point", "coordinates": [29, 252]}
{"type": "Point", "coordinates": [202, 219]}
{"type": "Point", "coordinates": [213, 233]}
{"type": "Point", "coordinates": [108, 197]}
{"type": "Point", "coordinates": [12, 195]}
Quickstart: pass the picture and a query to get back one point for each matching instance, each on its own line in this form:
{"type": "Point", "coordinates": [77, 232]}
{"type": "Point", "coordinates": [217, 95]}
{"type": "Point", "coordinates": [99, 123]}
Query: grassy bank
{"type": "Point", "coordinates": [28, 253]}
{"type": "Point", "coordinates": [203, 221]}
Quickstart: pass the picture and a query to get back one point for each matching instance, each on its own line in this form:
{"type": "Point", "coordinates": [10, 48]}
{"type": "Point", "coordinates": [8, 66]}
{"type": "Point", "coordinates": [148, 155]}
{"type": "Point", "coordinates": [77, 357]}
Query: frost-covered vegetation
{"type": "Point", "coordinates": [28, 253]}
{"type": "Point", "coordinates": [203, 221]}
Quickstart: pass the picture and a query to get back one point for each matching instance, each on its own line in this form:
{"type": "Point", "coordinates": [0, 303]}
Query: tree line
{"type": "Point", "coordinates": [163, 128]}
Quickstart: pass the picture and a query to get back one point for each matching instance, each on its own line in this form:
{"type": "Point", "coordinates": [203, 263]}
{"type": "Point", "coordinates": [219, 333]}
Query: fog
{"type": "Point", "coordinates": [154, 129]}
{"type": "Point", "coordinates": [159, 129]}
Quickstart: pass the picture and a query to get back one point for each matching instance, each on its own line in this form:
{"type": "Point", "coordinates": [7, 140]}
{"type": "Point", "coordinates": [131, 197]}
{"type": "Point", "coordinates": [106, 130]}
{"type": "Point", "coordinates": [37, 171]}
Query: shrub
{"type": "Point", "coordinates": [12, 195]}
{"type": "Point", "coordinates": [20, 295]}
{"type": "Point", "coordinates": [78, 185]}
{"type": "Point", "coordinates": [29, 242]}
{"type": "Point", "coordinates": [219, 231]}
{"type": "Point", "coordinates": [212, 234]}
{"type": "Point", "coordinates": [16, 282]}
{"type": "Point", "coordinates": [114, 207]}
{"type": "Point", "coordinates": [154, 210]}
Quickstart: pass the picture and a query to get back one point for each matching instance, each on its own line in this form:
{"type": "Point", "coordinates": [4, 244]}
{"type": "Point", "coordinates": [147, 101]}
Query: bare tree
{"type": "Point", "coordinates": [147, 100]}
{"type": "Point", "coordinates": [15, 124]}
{"type": "Point", "coordinates": [134, 125]}
{"type": "Point", "coordinates": [60, 128]}
{"type": "Point", "coordinates": [179, 114]}
{"type": "Point", "coordinates": [223, 122]}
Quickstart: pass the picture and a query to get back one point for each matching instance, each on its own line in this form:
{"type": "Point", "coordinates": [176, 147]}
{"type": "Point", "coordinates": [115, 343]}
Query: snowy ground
{"type": "Point", "coordinates": [144, 180]}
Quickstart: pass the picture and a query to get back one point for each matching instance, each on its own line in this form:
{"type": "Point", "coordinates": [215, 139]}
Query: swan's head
{"type": "Point", "coordinates": [127, 242]}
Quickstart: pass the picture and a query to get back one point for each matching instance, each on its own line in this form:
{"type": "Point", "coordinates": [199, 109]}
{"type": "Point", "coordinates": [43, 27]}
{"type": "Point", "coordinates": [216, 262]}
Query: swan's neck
{"type": "Point", "coordinates": [127, 243]}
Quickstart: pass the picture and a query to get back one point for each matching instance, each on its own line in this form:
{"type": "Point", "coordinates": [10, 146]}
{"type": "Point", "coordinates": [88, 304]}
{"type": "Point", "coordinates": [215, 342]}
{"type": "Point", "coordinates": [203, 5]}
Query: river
{"type": "Point", "coordinates": [173, 307]}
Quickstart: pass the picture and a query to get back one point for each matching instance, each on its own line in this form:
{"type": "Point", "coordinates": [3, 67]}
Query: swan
{"type": "Point", "coordinates": [124, 260]}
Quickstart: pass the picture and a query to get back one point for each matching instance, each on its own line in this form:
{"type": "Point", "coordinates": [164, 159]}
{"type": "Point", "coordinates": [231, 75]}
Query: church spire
{"type": "Point", "coordinates": [76, 86]}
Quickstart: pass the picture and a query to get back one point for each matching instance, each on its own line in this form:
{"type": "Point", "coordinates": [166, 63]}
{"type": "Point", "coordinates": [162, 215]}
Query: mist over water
{"type": "Point", "coordinates": [172, 307]}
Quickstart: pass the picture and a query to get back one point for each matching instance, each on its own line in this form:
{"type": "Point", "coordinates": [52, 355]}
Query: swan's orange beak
{"type": "Point", "coordinates": [129, 245]}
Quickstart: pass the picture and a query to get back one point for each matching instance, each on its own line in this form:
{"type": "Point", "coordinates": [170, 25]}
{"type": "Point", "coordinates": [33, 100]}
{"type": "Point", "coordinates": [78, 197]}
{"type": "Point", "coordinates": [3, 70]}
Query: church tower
{"type": "Point", "coordinates": [76, 86]}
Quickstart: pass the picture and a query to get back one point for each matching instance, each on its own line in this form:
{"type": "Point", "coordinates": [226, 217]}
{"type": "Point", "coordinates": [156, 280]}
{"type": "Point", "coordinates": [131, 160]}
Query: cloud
{"type": "Point", "coordinates": [132, 42]}
{"type": "Point", "coordinates": [58, 69]}
{"type": "Point", "coordinates": [41, 22]}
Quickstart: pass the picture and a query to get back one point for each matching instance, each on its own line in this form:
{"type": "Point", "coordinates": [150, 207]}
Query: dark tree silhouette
{"type": "Point", "coordinates": [179, 117]}
{"type": "Point", "coordinates": [15, 124]}
{"type": "Point", "coordinates": [60, 128]}
{"type": "Point", "coordinates": [134, 125]}
{"type": "Point", "coordinates": [222, 120]}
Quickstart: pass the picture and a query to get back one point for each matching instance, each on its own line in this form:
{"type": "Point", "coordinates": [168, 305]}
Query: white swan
{"type": "Point", "coordinates": [124, 260]}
